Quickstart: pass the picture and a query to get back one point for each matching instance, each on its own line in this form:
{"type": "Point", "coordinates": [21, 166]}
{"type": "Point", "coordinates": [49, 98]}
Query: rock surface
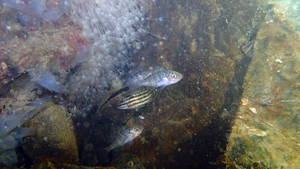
{"type": "Point", "coordinates": [266, 129]}
{"type": "Point", "coordinates": [55, 136]}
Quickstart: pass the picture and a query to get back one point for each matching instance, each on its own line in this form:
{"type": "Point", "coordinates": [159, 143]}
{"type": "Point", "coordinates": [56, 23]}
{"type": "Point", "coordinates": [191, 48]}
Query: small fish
{"type": "Point", "coordinates": [124, 135]}
{"type": "Point", "coordinates": [136, 99]}
{"type": "Point", "coordinates": [248, 48]}
{"type": "Point", "coordinates": [138, 76]}
{"type": "Point", "coordinates": [158, 77]}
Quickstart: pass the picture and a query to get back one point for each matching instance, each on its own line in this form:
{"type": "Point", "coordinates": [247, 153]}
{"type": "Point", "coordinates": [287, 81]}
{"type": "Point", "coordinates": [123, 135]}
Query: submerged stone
{"type": "Point", "coordinates": [268, 139]}
{"type": "Point", "coordinates": [55, 137]}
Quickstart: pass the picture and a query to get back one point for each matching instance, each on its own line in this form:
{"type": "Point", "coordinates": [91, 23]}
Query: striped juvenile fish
{"type": "Point", "coordinates": [248, 48]}
{"type": "Point", "coordinates": [136, 99]}
{"type": "Point", "coordinates": [124, 135]}
{"type": "Point", "coordinates": [158, 77]}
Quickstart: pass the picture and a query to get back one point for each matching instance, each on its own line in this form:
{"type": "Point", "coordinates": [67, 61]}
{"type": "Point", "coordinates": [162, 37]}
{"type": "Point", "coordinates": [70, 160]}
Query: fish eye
{"type": "Point", "coordinates": [136, 129]}
{"type": "Point", "coordinates": [173, 76]}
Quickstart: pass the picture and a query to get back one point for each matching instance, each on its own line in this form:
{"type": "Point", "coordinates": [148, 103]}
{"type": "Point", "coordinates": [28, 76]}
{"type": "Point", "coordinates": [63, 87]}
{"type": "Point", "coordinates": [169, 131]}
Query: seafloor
{"type": "Point", "coordinates": [231, 110]}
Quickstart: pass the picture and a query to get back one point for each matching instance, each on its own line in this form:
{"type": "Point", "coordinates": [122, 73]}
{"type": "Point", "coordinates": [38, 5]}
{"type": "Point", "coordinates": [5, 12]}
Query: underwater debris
{"type": "Point", "coordinates": [47, 80]}
{"type": "Point", "coordinates": [278, 61]}
{"type": "Point", "coordinates": [244, 101]}
{"type": "Point", "coordinates": [253, 110]}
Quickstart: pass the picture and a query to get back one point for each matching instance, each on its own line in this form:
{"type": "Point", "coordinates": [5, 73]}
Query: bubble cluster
{"type": "Point", "coordinates": [110, 27]}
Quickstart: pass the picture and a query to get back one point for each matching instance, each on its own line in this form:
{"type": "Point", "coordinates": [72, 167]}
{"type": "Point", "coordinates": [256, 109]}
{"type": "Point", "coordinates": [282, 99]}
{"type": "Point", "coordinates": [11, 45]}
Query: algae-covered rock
{"type": "Point", "coordinates": [54, 138]}
{"type": "Point", "coordinates": [266, 129]}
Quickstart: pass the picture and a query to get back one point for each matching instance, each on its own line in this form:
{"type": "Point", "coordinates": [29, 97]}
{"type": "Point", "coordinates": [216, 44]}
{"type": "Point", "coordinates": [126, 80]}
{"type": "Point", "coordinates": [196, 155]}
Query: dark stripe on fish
{"type": "Point", "coordinates": [124, 89]}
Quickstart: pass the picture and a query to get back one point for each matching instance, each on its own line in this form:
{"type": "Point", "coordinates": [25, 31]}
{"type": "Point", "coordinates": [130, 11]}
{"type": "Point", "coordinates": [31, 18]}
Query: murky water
{"type": "Point", "coordinates": [64, 72]}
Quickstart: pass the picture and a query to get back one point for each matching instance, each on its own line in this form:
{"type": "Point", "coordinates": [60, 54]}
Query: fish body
{"type": "Point", "coordinates": [125, 135]}
{"type": "Point", "coordinates": [136, 99]}
{"type": "Point", "coordinates": [158, 77]}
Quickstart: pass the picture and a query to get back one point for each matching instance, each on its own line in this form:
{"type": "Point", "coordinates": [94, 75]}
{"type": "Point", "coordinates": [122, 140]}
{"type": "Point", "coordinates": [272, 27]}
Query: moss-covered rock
{"type": "Point", "coordinates": [55, 138]}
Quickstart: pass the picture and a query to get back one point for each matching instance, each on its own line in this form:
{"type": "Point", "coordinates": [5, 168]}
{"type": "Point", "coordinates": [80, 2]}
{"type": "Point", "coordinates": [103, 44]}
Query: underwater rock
{"type": "Point", "coordinates": [269, 136]}
{"type": "Point", "coordinates": [9, 28]}
{"type": "Point", "coordinates": [55, 138]}
{"type": "Point", "coordinates": [127, 161]}
{"type": "Point", "coordinates": [42, 52]}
